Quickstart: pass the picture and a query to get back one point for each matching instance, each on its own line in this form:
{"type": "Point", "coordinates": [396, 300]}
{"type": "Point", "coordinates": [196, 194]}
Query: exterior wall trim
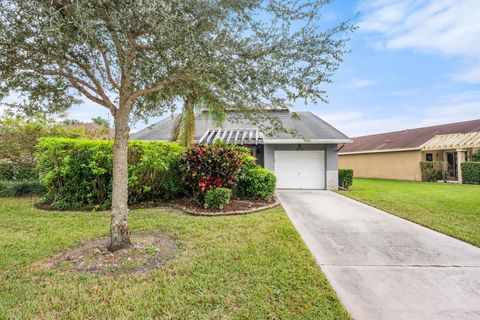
{"type": "Point", "coordinates": [306, 141]}
{"type": "Point", "coordinates": [379, 151]}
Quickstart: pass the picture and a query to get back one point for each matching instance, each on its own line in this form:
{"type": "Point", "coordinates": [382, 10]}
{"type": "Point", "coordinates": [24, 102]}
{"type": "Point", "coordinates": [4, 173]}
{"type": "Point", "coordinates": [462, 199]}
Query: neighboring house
{"type": "Point", "coordinates": [397, 155]}
{"type": "Point", "coordinates": [305, 160]}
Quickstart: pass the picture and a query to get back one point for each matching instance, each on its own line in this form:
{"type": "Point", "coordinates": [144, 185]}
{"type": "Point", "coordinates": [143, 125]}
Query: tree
{"type": "Point", "coordinates": [137, 57]}
{"type": "Point", "coordinates": [183, 131]}
{"type": "Point", "coordinates": [101, 121]}
{"type": "Point", "coordinates": [70, 122]}
{"type": "Point", "coordinates": [19, 135]}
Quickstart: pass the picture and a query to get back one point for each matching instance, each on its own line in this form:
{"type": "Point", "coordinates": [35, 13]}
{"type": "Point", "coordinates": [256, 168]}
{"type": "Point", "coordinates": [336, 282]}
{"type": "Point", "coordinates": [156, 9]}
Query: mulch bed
{"type": "Point", "coordinates": [235, 207]}
{"type": "Point", "coordinates": [187, 205]}
{"type": "Point", "coordinates": [148, 251]}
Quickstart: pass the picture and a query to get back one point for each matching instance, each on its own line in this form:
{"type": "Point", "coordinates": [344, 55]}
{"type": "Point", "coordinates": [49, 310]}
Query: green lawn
{"type": "Point", "coordinates": [242, 267]}
{"type": "Point", "coordinates": [448, 208]}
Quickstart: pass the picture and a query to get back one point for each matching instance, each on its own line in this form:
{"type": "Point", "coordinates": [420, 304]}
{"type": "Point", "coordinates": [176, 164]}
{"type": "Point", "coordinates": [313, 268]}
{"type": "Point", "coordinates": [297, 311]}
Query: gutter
{"type": "Point", "coordinates": [306, 141]}
{"type": "Point", "coordinates": [381, 151]}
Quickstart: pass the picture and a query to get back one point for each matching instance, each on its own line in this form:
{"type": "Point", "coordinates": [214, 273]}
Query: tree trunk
{"type": "Point", "coordinates": [119, 230]}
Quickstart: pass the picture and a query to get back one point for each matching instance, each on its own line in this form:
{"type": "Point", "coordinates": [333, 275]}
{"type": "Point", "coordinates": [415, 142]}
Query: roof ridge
{"type": "Point", "coordinates": [410, 129]}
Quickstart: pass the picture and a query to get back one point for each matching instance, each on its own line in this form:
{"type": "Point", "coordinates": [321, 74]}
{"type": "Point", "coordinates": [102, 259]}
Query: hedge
{"type": "Point", "coordinates": [471, 172]}
{"type": "Point", "coordinates": [345, 178]}
{"type": "Point", "coordinates": [476, 156]}
{"type": "Point", "coordinates": [78, 173]}
{"type": "Point", "coordinates": [256, 183]}
{"type": "Point", "coordinates": [11, 171]}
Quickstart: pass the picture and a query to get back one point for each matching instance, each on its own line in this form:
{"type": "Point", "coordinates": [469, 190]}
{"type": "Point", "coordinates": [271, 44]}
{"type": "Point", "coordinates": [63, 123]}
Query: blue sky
{"type": "Point", "coordinates": [413, 63]}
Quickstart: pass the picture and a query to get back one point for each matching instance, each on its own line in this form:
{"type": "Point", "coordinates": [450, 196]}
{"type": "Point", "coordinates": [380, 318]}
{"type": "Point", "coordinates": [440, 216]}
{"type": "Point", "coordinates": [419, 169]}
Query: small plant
{"type": "Point", "coordinates": [256, 183]}
{"type": "Point", "coordinates": [432, 171]}
{"type": "Point", "coordinates": [209, 167]}
{"type": "Point", "coordinates": [345, 178]}
{"type": "Point", "coordinates": [21, 188]}
{"type": "Point", "coordinates": [217, 198]}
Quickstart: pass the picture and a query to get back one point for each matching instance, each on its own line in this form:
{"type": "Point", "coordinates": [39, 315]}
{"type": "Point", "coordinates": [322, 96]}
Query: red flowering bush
{"type": "Point", "coordinates": [208, 167]}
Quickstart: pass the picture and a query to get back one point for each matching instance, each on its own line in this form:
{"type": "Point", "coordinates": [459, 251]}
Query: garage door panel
{"type": "Point", "coordinates": [300, 169]}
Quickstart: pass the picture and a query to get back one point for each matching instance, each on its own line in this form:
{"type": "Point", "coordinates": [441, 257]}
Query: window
{"type": "Point", "coordinates": [429, 157]}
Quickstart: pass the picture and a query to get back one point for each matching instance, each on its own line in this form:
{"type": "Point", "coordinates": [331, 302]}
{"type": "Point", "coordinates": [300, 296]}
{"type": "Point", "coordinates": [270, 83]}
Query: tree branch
{"type": "Point", "coordinates": [50, 72]}
{"type": "Point", "coordinates": [99, 89]}
{"type": "Point", "coordinates": [108, 69]}
{"type": "Point", "coordinates": [76, 83]}
{"type": "Point", "coordinates": [87, 94]}
{"type": "Point", "coordinates": [143, 92]}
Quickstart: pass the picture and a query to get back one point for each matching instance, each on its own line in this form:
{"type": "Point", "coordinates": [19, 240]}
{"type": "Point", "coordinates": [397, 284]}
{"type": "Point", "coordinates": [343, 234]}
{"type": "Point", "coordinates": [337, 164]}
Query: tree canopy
{"type": "Point", "coordinates": [138, 57]}
{"type": "Point", "coordinates": [101, 121]}
{"type": "Point", "coordinates": [231, 53]}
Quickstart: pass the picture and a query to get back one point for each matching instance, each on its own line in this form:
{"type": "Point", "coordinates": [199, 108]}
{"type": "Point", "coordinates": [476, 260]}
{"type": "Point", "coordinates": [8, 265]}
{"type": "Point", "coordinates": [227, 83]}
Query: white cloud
{"type": "Point", "coordinates": [447, 27]}
{"type": "Point", "coordinates": [457, 107]}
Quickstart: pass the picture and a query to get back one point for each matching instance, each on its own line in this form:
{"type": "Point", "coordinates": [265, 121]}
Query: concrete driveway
{"type": "Point", "coordinates": [384, 267]}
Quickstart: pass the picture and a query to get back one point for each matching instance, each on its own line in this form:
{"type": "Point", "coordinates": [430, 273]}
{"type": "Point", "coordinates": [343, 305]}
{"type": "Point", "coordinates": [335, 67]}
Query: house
{"type": "Point", "coordinates": [397, 155]}
{"type": "Point", "coordinates": [303, 159]}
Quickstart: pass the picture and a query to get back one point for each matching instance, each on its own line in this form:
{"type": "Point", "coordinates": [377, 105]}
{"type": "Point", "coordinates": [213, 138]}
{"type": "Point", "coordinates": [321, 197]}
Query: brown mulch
{"type": "Point", "coordinates": [234, 207]}
{"type": "Point", "coordinates": [187, 205]}
{"type": "Point", "coordinates": [148, 251]}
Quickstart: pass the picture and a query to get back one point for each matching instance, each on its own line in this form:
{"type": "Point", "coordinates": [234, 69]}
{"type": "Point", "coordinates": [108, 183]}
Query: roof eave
{"type": "Point", "coordinates": [307, 141]}
{"type": "Point", "coordinates": [380, 151]}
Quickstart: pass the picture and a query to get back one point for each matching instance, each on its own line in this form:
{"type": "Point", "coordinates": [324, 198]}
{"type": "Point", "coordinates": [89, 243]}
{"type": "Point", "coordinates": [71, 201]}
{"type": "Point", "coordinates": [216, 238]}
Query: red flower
{"type": "Point", "coordinates": [202, 182]}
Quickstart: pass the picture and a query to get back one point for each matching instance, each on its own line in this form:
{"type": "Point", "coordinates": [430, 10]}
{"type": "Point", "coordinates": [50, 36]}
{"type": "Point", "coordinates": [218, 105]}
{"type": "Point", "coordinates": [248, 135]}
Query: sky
{"type": "Point", "coordinates": [412, 63]}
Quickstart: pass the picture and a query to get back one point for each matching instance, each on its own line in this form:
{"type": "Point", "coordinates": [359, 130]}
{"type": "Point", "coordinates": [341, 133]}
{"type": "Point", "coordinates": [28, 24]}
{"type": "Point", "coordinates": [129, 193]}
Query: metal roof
{"type": "Point", "coordinates": [453, 141]}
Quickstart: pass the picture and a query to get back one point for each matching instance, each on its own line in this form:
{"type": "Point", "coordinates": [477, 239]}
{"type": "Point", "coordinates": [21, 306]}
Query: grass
{"type": "Point", "coordinates": [448, 208]}
{"type": "Point", "coordinates": [242, 267]}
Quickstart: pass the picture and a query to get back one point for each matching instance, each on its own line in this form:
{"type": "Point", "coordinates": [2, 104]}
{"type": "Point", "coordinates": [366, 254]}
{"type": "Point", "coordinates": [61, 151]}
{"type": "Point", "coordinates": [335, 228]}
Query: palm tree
{"type": "Point", "coordinates": [183, 130]}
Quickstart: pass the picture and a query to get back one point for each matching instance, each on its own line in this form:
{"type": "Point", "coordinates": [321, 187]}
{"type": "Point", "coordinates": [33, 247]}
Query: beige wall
{"type": "Point", "coordinates": [399, 165]}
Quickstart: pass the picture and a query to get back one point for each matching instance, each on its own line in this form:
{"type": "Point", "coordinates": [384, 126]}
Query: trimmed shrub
{"type": "Point", "coordinates": [432, 171]}
{"type": "Point", "coordinates": [11, 171]}
{"type": "Point", "coordinates": [207, 167]}
{"type": "Point", "coordinates": [154, 171]}
{"type": "Point", "coordinates": [345, 178]}
{"type": "Point", "coordinates": [476, 156]}
{"type": "Point", "coordinates": [471, 172]}
{"type": "Point", "coordinates": [21, 188]}
{"type": "Point", "coordinates": [256, 183]}
{"type": "Point", "coordinates": [78, 173]}
{"type": "Point", "coordinates": [217, 198]}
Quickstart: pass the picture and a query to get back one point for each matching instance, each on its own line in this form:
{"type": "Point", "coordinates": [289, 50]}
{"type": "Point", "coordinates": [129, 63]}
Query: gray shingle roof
{"type": "Point", "coordinates": [308, 127]}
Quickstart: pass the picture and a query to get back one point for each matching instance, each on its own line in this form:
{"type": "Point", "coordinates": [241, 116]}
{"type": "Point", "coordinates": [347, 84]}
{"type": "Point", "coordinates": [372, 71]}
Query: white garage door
{"type": "Point", "coordinates": [300, 169]}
